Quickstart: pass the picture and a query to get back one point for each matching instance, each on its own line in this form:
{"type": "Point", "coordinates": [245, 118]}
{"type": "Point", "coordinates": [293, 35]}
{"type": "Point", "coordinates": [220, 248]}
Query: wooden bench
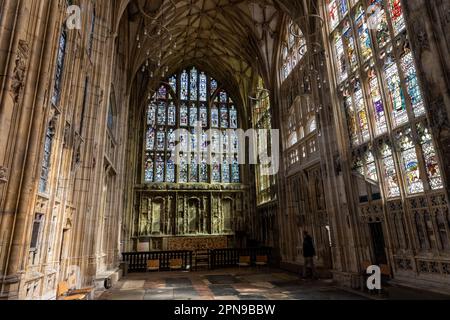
{"type": "Point", "coordinates": [176, 264]}
{"type": "Point", "coordinates": [153, 265]}
{"type": "Point", "coordinates": [67, 294]}
{"type": "Point", "coordinates": [244, 261]}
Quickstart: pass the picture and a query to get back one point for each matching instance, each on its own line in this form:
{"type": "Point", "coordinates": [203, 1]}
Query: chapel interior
{"type": "Point", "coordinates": [350, 98]}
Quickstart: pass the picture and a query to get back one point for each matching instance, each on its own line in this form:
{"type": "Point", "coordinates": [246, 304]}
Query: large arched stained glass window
{"type": "Point", "coordinates": [381, 96]}
{"type": "Point", "coordinates": [193, 101]}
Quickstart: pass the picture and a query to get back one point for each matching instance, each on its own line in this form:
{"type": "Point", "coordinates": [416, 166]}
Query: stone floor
{"type": "Point", "coordinates": [226, 284]}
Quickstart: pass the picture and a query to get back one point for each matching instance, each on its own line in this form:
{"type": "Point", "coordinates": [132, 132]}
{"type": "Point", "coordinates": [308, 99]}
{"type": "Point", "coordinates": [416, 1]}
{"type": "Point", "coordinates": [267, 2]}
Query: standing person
{"type": "Point", "coordinates": [309, 252]}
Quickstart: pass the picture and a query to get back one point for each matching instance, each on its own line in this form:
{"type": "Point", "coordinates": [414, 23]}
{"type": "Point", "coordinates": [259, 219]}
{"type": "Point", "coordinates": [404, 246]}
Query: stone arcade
{"type": "Point", "coordinates": [87, 121]}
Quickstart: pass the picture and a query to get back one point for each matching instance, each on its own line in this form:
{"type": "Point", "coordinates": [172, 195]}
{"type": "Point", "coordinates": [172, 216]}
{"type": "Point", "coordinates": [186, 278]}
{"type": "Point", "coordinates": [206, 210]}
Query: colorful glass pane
{"type": "Point", "coordinates": [215, 169]}
{"type": "Point", "coordinates": [396, 95]}
{"type": "Point", "coordinates": [160, 140]}
{"type": "Point", "coordinates": [365, 44]}
{"type": "Point", "coordinates": [151, 115]}
{"type": "Point", "coordinates": [398, 20]}
{"type": "Point", "coordinates": [430, 157]}
{"type": "Point", "coordinates": [162, 114]}
{"type": "Point", "coordinates": [361, 111]}
{"type": "Point", "coordinates": [160, 165]}
{"type": "Point", "coordinates": [214, 117]}
{"type": "Point", "coordinates": [170, 171]}
{"type": "Point", "coordinates": [184, 115]}
{"type": "Point", "coordinates": [350, 46]}
{"type": "Point", "coordinates": [184, 85]}
{"type": "Point", "coordinates": [410, 163]}
{"type": "Point", "coordinates": [333, 14]}
{"type": "Point", "coordinates": [194, 85]}
{"type": "Point", "coordinates": [377, 103]}
{"type": "Point", "coordinates": [149, 168]}
{"type": "Point", "coordinates": [235, 171]}
{"type": "Point", "coordinates": [226, 177]}
{"type": "Point", "coordinates": [213, 87]}
{"type": "Point", "coordinates": [171, 138]}
{"type": "Point", "coordinates": [341, 62]}
{"type": "Point", "coordinates": [193, 115]}
{"type": "Point", "coordinates": [390, 173]}
{"type": "Point", "coordinates": [184, 168]}
{"type": "Point", "coordinates": [343, 8]}
{"type": "Point", "coordinates": [351, 119]}
{"type": "Point", "coordinates": [224, 120]}
{"type": "Point", "coordinates": [203, 87]}
{"type": "Point", "coordinates": [173, 83]}
{"type": "Point", "coordinates": [412, 84]}
{"type": "Point", "coordinates": [150, 139]}
{"type": "Point", "coordinates": [172, 115]}
{"type": "Point", "coordinates": [204, 115]}
{"type": "Point", "coordinates": [193, 169]}
{"type": "Point", "coordinates": [162, 93]}
{"type": "Point", "coordinates": [379, 22]}
{"type": "Point", "coordinates": [223, 97]}
{"type": "Point", "coordinates": [204, 171]}
{"type": "Point", "coordinates": [233, 118]}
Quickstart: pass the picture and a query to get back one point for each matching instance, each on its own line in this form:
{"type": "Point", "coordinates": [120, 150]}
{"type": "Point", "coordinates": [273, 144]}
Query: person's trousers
{"type": "Point", "coordinates": [309, 264]}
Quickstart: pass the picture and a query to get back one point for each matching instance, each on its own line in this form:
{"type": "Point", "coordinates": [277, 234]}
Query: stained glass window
{"type": "Point", "coordinates": [412, 84]}
{"type": "Point", "coordinates": [377, 103]}
{"type": "Point", "coordinates": [197, 92]}
{"type": "Point", "coordinates": [214, 86]}
{"type": "Point", "coordinates": [184, 86]}
{"type": "Point", "coordinates": [390, 172]}
{"type": "Point", "coordinates": [396, 95]}
{"type": "Point", "coordinates": [365, 44]}
{"type": "Point", "coordinates": [294, 48]}
{"type": "Point", "coordinates": [214, 117]}
{"type": "Point", "coordinates": [184, 115]}
{"type": "Point", "coordinates": [194, 85]}
{"type": "Point", "coordinates": [150, 139]}
{"type": "Point", "coordinates": [341, 57]}
{"type": "Point", "coordinates": [203, 87]}
{"type": "Point", "coordinates": [224, 123]}
{"type": "Point", "coordinates": [378, 20]}
{"type": "Point", "coordinates": [173, 83]}
{"type": "Point", "coordinates": [430, 157]}
{"type": "Point", "coordinates": [172, 115]}
{"type": "Point", "coordinates": [398, 20]}
{"type": "Point", "coordinates": [381, 95]}
{"type": "Point", "coordinates": [149, 167]}
{"type": "Point", "coordinates": [160, 165]}
{"type": "Point", "coordinates": [351, 119]}
{"type": "Point", "coordinates": [410, 162]}
{"type": "Point", "coordinates": [193, 115]}
{"type": "Point", "coordinates": [333, 14]}
{"type": "Point", "coordinates": [350, 46]}
{"type": "Point", "coordinates": [361, 111]}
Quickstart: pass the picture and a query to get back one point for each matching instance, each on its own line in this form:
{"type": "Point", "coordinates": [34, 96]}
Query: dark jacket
{"type": "Point", "coordinates": [308, 247]}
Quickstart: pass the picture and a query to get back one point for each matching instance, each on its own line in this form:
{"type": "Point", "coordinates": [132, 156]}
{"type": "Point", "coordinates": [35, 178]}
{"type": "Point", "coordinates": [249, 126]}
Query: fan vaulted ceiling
{"type": "Point", "coordinates": [230, 39]}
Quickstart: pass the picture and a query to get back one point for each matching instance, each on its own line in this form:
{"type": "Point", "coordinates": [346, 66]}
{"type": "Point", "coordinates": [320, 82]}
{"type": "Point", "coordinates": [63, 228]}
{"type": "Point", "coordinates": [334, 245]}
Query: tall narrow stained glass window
{"type": "Point", "coordinates": [198, 104]}
{"type": "Point", "coordinates": [294, 49]}
{"type": "Point", "coordinates": [381, 97]}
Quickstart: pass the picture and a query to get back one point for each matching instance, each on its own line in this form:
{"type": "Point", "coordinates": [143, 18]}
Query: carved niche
{"type": "Point", "coordinates": [20, 69]}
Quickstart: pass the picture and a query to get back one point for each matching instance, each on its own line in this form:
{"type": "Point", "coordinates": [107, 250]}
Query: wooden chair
{"type": "Point", "coordinates": [262, 261]}
{"type": "Point", "coordinates": [176, 264]}
{"type": "Point", "coordinates": [153, 265]}
{"type": "Point", "coordinates": [244, 261]}
{"type": "Point", "coordinates": [64, 293]}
